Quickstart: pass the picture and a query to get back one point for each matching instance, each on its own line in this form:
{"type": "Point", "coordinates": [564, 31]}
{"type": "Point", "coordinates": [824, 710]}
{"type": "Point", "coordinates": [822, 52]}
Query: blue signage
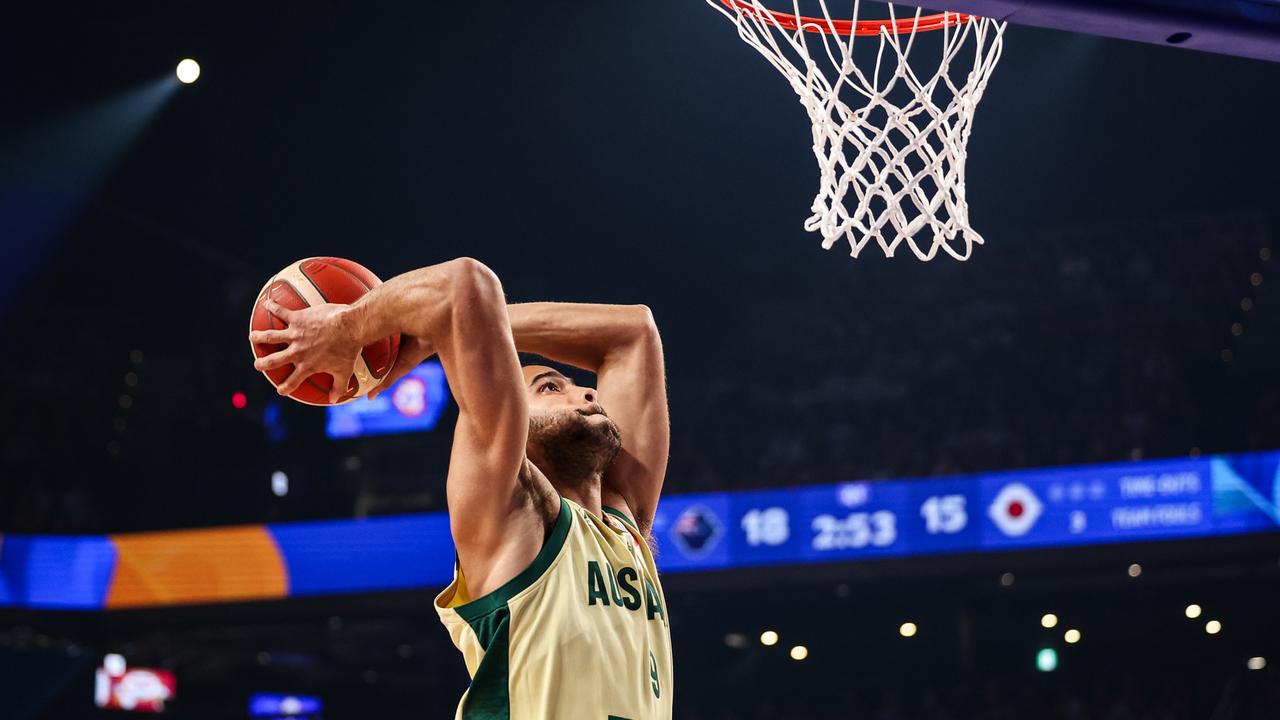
{"type": "Point", "coordinates": [1056, 507]}
{"type": "Point", "coordinates": [276, 705]}
{"type": "Point", "coordinates": [993, 512]}
{"type": "Point", "coordinates": [413, 404]}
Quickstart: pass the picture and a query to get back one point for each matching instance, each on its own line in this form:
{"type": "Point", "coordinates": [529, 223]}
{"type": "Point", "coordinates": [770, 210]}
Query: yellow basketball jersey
{"type": "Point", "coordinates": [581, 634]}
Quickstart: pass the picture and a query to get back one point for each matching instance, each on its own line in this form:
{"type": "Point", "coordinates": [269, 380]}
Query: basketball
{"type": "Point", "coordinates": [314, 281]}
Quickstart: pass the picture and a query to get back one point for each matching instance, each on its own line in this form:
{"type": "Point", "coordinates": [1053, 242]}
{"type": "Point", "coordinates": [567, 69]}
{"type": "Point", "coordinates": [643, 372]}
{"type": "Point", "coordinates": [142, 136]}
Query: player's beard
{"type": "Point", "coordinates": [572, 448]}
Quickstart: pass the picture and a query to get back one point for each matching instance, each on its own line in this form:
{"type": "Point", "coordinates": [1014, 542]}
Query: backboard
{"type": "Point", "coordinates": [1247, 28]}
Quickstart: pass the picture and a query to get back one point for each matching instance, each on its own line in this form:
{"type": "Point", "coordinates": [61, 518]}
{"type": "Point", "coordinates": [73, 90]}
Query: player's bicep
{"type": "Point", "coordinates": [480, 361]}
{"type": "Point", "coordinates": [633, 390]}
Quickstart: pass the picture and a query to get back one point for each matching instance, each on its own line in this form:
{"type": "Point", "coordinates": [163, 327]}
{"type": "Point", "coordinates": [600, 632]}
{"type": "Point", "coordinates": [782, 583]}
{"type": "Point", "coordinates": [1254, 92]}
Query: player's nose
{"type": "Point", "coordinates": [588, 395]}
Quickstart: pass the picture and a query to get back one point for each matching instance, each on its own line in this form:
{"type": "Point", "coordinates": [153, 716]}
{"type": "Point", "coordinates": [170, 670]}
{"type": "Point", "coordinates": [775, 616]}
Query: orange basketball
{"type": "Point", "coordinates": [312, 282]}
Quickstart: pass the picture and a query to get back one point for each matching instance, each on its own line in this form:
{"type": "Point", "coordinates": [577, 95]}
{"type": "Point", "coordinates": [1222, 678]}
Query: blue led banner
{"type": "Point", "coordinates": [992, 512]}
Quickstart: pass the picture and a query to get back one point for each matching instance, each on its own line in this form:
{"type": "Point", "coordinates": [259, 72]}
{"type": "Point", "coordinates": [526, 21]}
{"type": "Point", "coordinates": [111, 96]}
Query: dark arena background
{"type": "Point", "coordinates": [1041, 483]}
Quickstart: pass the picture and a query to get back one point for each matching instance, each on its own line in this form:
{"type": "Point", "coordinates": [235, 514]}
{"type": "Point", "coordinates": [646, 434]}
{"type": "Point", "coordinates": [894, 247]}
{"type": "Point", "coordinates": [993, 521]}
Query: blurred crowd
{"type": "Point", "coordinates": [1125, 696]}
{"type": "Point", "coordinates": [1110, 346]}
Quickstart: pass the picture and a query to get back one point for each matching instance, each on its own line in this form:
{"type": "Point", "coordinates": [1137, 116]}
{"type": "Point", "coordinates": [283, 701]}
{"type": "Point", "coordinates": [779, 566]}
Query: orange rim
{"type": "Point", "coordinates": [905, 26]}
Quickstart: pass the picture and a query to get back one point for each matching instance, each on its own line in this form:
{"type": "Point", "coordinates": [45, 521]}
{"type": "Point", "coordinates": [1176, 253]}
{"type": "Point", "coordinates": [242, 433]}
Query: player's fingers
{"type": "Point", "coordinates": [270, 336]}
{"type": "Point", "coordinates": [279, 310]}
{"type": "Point", "coordinates": [274, 360]}
{"type": "Point", "coordinates": [291, 383]}
{"type": "Point", "coordinates": [338, 388]}
{"type": "Point", "coordinates": [400, 370]}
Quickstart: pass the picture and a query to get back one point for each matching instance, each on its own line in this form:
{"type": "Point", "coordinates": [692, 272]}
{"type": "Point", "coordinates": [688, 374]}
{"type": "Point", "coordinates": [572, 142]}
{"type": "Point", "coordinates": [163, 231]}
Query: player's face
{"type": "Point", "coordinates": [568, 430]}
{"type": "Point", "coordinates": [551, 392]}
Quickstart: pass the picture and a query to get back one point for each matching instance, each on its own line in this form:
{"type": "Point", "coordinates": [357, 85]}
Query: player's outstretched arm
{"type": "Point", "coordinates": [621, 345]}
{"type": "Point", "coordinates": [459, 309]}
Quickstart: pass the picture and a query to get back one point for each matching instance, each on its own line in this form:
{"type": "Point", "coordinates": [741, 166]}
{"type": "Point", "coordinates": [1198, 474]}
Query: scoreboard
{"type": "Point", "coordinates": [1059, 507]}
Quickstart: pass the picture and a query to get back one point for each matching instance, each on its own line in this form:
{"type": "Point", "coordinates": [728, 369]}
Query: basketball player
{"type": "Point", "coordinates": [555, 603]}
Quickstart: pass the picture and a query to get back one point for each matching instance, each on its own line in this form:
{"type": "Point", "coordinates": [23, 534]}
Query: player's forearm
{"type": "Point", "coordinates": [579, 334]}
{"type": "Point", "coordinates": [419, 303]}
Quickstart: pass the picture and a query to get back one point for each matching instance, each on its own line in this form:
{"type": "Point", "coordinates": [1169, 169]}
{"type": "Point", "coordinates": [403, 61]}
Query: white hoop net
{"type": "Point", "coordinates": [890, 141]}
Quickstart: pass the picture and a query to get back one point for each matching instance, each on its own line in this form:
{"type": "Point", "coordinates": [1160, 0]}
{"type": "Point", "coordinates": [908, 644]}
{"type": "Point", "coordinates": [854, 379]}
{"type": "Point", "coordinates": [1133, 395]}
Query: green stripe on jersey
{"type": "Point", "coordinates": [618, 514]}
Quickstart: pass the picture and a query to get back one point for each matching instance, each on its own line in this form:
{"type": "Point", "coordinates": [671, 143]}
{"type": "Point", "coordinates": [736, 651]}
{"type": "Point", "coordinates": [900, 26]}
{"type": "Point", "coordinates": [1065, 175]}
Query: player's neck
{"type": "Point", "coordinates": [584, 492]}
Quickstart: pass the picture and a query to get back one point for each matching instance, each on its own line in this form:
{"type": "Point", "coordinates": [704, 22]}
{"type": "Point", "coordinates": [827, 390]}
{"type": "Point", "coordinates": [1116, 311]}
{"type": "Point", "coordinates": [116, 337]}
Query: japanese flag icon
{"type": "Point", "coordinates": [1015, 509]}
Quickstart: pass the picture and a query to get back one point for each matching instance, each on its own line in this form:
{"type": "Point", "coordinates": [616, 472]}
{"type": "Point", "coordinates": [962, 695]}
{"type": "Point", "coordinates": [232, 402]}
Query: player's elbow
{"type": "Point", "coordinates": [474, 285]}
{"type": "Point", "coordinates": [645, 327]}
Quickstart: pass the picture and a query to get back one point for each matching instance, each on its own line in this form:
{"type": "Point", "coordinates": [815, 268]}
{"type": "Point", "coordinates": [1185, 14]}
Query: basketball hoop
{"type": "Point", "coordinates": [885, 136]}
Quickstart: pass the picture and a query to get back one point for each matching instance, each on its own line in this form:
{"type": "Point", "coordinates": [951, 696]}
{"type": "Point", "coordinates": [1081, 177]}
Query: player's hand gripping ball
{"type": "Point", "coordinates": [302, 340]}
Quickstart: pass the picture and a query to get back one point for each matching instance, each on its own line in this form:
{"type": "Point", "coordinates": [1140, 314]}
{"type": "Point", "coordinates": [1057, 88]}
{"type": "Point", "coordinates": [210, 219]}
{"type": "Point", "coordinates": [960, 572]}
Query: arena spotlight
{"type": "Point", "coordinates": [768, 638]}
{"type": "Point", "coordinates": [1256, 663]}
{"type": "Point", "coordinates": [735, 640]}
{"type": "Point", "coordinates": [1047, 660]}
{"type": "Point", "coordinates": [1006, 580]}
{"type": "Point", "coordinates": [1135, 570]}
{"type": "Point", "coordinates": [188, 71]}
{"type": "Point", "coordinates": [279, 483]}
{"type": "Point", "coordinates": [907, 629]}
{"type": "Point", "coordinates": [1072, 636]}
{"type": "Point", "coordinates": [1213, 627]}
{"type": "Point", "coordinates": [799, 652]}
{"type": "Point", "coordinates": [1048, 620]}
{"type": "Point", "coordinates": [1193, 611]}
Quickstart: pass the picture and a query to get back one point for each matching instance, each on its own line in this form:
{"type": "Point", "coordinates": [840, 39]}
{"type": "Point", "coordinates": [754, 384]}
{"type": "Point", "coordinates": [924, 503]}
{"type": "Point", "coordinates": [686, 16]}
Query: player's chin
{"type": "Point", "coordinates": [601, 425]}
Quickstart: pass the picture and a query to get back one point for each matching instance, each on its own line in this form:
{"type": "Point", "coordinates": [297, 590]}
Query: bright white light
{"type": "Point", "coordinates": [1048, 620]}
{"type": "Point", "coordinates": [188, 71]}
{"type": "Point", "coordinates": [1193, 611]}
{"type": "Point", "coordinates": [1135, 570]}
{"type": "Point", "coordinates": [1072, 636]}
{"type": "Point", "coordinates": [1256, 663]}
{"type": "Point", "coordinates": [1213, 627]}
{"type": "Point", "coordinates": [279, 483]}
{"type": "Point", "coordinates": [907, 629]}
{"type": "Point", "coordinates": [114, 664]}
{"type": "Point", "coordinates": [799, 652]}
{"type": "Point", "coordinates": [768, 637]}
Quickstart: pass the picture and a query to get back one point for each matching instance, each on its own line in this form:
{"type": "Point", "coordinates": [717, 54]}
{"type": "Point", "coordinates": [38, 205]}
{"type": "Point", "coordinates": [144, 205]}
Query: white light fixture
{"type": "Point", "coordinates": [279, 483]}
{"type": "Point", "coordinates": [1072, 636]}
{"type": "Point", "coordinates": [188, 71]}
{"type": "Point", "coordinates": [1213, 627]}
{"type": "Point", "coordinates": [768, 638]}
{"type": "Point", "coordinates": [1256, 663]}
{"type": "Point", "coordinates": [907, 629]}
{"type": "Point", "coordinates": [1193, 611]}
{"type": "Point", "coordinates": [799, 652]}
{"type": "Point", "coordinates": [1048, 620]}
{"type": "Point", "coordinates": [1135, 570]}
